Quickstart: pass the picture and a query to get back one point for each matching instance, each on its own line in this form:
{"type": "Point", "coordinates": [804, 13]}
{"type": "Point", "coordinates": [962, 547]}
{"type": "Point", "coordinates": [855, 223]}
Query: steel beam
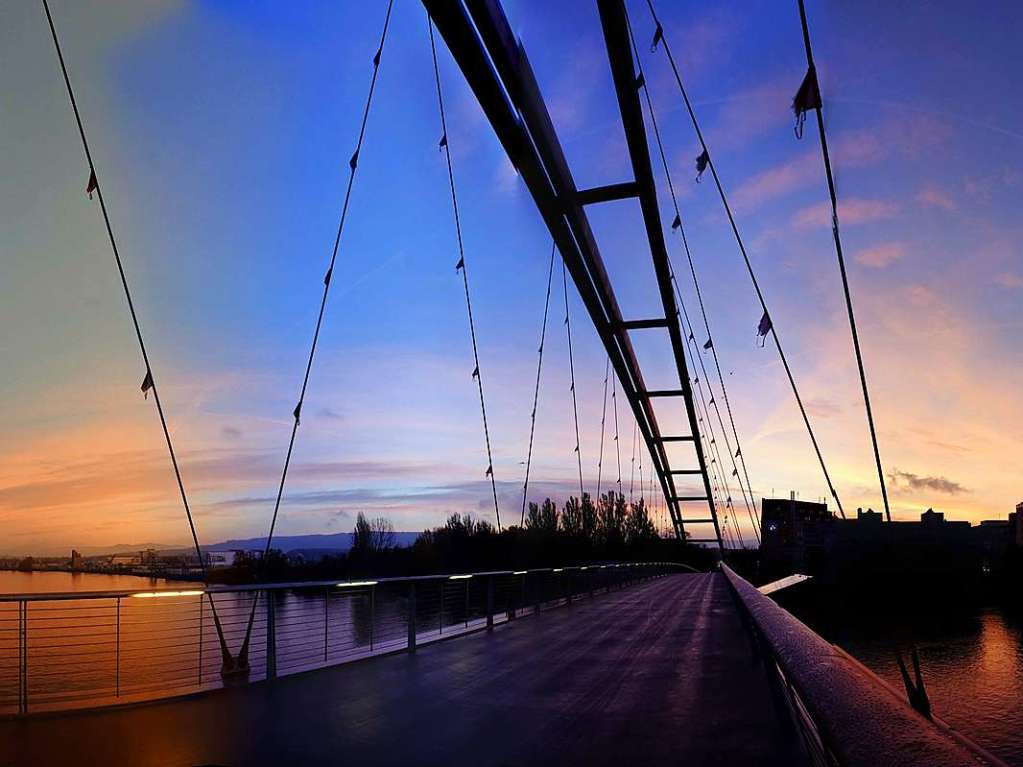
{"type": "Point", "coordinates": [498, 71]}
{"type": "Point", "coordinates": [614, 22]}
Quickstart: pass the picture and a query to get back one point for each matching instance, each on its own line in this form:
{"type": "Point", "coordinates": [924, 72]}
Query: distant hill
{"type": "Point", "coordinates": [325, 543]}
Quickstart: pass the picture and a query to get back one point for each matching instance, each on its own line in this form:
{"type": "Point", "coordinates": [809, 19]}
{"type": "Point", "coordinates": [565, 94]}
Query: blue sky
{"type": "Point", "coordinates": [222, 132]}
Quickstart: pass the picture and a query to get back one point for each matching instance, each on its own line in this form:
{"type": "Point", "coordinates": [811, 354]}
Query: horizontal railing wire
{"type": "Point", "coordinates": [73, 650]}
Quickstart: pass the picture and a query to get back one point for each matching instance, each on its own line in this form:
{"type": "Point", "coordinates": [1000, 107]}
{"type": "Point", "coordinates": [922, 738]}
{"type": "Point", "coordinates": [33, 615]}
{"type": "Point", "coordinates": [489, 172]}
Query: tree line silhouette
{"type": "Point", "coordinates": [580, 531]}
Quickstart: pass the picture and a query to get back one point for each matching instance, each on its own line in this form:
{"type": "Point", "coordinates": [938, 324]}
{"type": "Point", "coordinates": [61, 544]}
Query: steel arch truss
{"type": "Point", "coordinates": [497, 70]}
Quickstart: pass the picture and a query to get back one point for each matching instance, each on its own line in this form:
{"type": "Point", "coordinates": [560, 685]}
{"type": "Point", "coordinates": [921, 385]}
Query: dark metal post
{"type": "Point", "coordinates": [117, 651]}
{"type": "Point", "coordinates": [372, 614]}
{"type": "Point", "coordinates": [23, 657]}
{"type": "Point", "coordinates": [490, 602]}
{"type": "Point", "coordinates": [326, 622]}
{"type": "Point", "coordinates": [467, 581]}
{"type": "Point", "coordinates": [199, 680]}
{"type": "Point", "coordinates": [271, 637]}
{"type": "Point", "coordinates": [440, 610]}
{"type": "Point", "coordinates": [412, 616]}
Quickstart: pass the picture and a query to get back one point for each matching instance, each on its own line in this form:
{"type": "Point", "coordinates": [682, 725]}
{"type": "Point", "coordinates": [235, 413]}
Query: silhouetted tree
{"type": "Point", "coordinates": [572, 518]}
{"type": "Point", "coordinates": [639, 528]}
{"type": "Point", "coordinates": [371, 535]}
{"type": "Point", "coordinates": [542, 518]}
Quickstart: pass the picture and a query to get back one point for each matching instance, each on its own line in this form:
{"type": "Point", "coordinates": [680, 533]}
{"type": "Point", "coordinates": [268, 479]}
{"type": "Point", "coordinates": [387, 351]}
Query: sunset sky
{"type": "Point", "coordinates": [222, 131]}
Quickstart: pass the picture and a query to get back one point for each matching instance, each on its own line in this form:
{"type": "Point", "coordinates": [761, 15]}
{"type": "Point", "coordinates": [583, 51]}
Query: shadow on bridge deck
{"type": "Point", "coordinates": [660, 673]}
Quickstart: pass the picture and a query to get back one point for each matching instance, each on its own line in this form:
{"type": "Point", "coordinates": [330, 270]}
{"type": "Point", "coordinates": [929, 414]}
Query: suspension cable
{"type": "Point", "coordinates": [536, 391]}
{"type": "Point", "coordinates": [841, 260]}
{"type": "Point", "coordinates": [149, 380]}
{"type": "Point", "coordinates": [603, 419]}
{"type": "Point", "coordinates": [632, 461]}
{"type": "Point", "coordinates": [716, 463]}
{"type": "Point", "coordinates": [642, 486]}
{"type": "Point", "coordinates": [677, 224]}
{"type": "Point", "coordinates": [571, 370]}
{"type": "Point", "coordinates": [352, 166]}
{"type": "Point", "coordinates": [706, 157]}
{"type": "Point", "coordinates": [618, 444]}
{"type": "Point", "coordinates": [477, 374]}
{"type": "Point", "coordinates": [691, 338]}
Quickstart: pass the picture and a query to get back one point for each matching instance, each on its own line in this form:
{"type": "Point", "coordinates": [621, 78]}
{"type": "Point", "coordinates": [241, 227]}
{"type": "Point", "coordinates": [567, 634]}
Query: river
{"type": "Point", "coordinates": [48, 582]}
{"type": "Point", "coordinates": [971, 662]}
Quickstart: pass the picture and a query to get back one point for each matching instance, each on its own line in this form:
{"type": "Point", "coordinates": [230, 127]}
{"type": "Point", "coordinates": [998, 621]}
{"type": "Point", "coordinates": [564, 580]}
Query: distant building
{"type": "Point", "coordinates": [1016, 525]}
{"type": "Point", "coordinates": [219, 558]}
{"type": "Point", "coordinates": [794, 533]}
{"type": "Point", "coordinates": [799, 536]}
{"type": "Point", "coordinates": [149, 557]}
{"type": "Point", "coordinates": [77, 560]}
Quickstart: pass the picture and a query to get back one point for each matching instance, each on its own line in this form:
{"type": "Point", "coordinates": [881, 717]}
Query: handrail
{"type": "Point", "coordinates": [272, 586]}
{"type": "Point", "coordinates": [846, 715]}
{"type": "Point", "coordinates": [86, 649]}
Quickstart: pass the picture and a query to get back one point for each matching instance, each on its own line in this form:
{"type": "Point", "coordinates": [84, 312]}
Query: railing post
{"type": "Point", "coordinates": [412, 616]}
{"type": "Point", "coordinates": [522, 601]}
{"type": "Point", "coordinates": [490, 602]}
{"type": "Point", "coordinates": [372, 614]}
{"type": "Point", "coordinates": [566, 585]}
{"type": "Point", "coordinates": [22, 657]}
{"type": "Point", "coordinates": [117, 652]}
{"type": "Point", "coordinates": [199, 680]}
{"type": "Point", "coordinates": [271, 637]}
{"type": "Point", "coordinates": [326, 622]}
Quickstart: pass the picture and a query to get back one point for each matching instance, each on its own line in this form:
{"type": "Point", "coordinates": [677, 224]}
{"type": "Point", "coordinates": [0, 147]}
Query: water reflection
{"type": "Point", "coordinates": [972, 665]}
{"type": "Point", "coordinates": [82, 652]}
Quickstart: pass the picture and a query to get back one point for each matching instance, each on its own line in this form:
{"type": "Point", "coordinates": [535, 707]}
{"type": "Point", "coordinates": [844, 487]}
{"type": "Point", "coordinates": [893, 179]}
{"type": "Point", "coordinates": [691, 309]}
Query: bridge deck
{"type": "Point", "coordinates": [659, 673]}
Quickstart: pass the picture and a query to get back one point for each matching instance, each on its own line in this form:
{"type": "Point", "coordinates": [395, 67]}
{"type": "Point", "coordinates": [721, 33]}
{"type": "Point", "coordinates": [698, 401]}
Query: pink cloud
{"type": "Point", "coordinates": [855, 149]}
{"type": "Point", "coordinates": [851, 211]}
{"type": "Point", "coordinates": [882, 255]}
{"type": "Point", "coordinates": [754, 112]}
{"type": "Point", "coordinates": [776, 182]}
{"type": "Point", "coordinates": [1009, 280]}
{"type": "Point", "coordinates": [933, 197]}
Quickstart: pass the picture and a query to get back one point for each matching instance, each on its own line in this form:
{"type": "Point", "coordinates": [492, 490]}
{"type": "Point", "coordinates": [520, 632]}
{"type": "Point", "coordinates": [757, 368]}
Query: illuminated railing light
{"type": "Point", "coordinates": [557, 569]}
{"type": "Point", "coordinates": [458, 577]}
{"type": "Point", "coordinates": [519, 572]}
{"type": "Point", "coordinates": [584, 567]}
{"type": "Point", "coordinates": [354, 584]}
{"type": "Point", "coordinates": [151, 594]}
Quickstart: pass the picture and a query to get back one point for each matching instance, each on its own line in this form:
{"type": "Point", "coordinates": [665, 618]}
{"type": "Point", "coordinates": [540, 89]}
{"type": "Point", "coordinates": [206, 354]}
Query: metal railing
{"type": "Point", "coordinates": [844, 714]}
{"type": "Point", "coordinates": [83, 649]}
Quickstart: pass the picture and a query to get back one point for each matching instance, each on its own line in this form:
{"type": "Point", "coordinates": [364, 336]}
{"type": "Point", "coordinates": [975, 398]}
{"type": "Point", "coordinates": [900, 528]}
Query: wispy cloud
{"type": "Point", "coordinates": [851, 211]}
{"type": "Point", "coordinates": [880, 256]}
{"type": "Point", "coordinates": [1009, 280]}
{"type": "Point", "coordinates": [935, 197]}
{"type": "Point", "coordinates": [851, 149]}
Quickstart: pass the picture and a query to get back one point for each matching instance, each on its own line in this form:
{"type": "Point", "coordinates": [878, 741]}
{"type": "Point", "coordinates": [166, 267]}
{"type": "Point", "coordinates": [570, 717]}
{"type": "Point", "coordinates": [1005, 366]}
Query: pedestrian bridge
{"type": "Point", "coordinates": [693, 668]}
